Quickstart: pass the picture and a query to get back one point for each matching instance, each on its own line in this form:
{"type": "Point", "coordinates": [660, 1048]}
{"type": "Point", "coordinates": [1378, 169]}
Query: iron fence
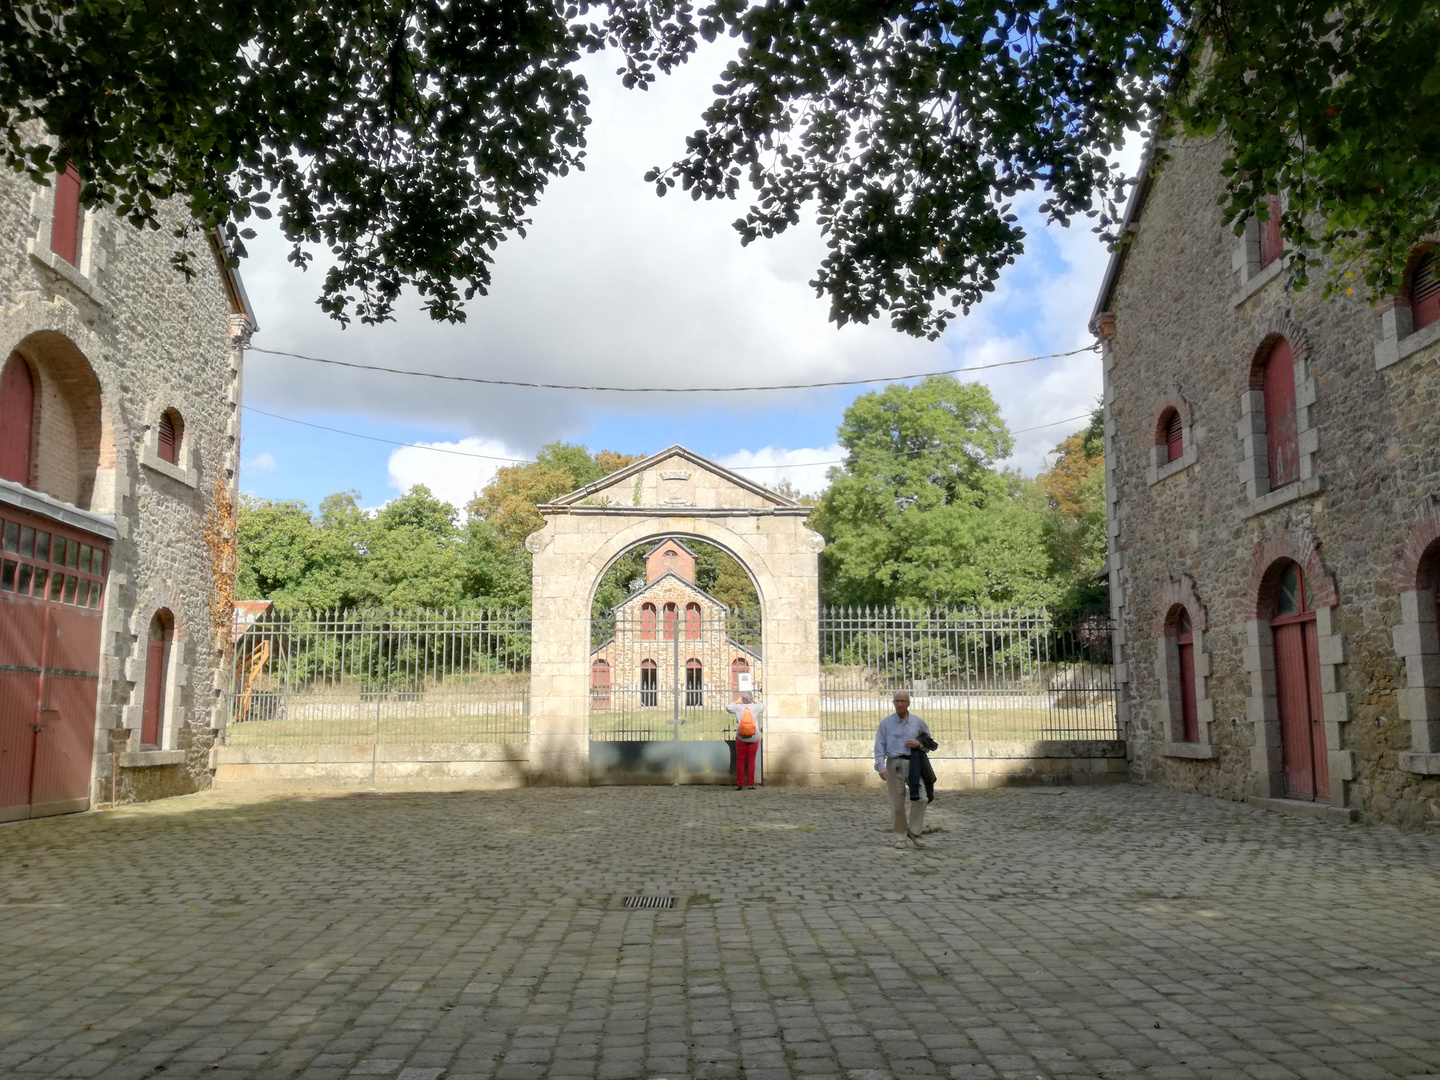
{"type": "Point", "coordinates": [993, 675]}
{"type": "Point", "coordinates": [373, 677]}
{"type": "Point", "coordinates": [669, 673]}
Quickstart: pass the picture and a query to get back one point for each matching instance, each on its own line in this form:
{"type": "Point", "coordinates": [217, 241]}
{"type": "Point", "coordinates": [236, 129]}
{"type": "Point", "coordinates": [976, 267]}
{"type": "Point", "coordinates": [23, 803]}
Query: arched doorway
{"type": "Point", "coordinates": [1297, 686]}
{"type": "Point", "coordinates": [660, 722]}
{"type": "Point", "coordinates": [680, 495]}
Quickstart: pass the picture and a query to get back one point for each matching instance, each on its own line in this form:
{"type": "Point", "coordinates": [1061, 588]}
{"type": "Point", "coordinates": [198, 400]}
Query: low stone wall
{"type": "Point", "coordinates": [483, 766]}
{"type": "Point", "coordinates": [997, 764]}
{"type": "Point", "coordinates": [399, 767]}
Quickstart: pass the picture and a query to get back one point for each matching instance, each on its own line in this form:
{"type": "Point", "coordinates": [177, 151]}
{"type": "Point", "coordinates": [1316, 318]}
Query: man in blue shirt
{"type": "Point", "coordinates": [897, 736]}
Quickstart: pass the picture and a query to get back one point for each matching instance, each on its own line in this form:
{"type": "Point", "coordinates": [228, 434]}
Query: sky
{"type": "Point", "coordinates": [616, 286]}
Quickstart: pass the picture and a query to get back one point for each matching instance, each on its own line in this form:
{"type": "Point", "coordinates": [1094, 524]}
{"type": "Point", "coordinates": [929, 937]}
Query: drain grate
{"type": "Point", "coordinates": [649, 901]}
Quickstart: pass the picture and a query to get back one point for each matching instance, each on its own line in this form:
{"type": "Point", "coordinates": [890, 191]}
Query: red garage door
{"type": "Point", "coordinates": [52, 581]}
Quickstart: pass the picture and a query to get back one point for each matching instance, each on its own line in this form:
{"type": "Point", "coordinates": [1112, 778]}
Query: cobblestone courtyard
{"type": "Point", "coordinates": [1101, 932]}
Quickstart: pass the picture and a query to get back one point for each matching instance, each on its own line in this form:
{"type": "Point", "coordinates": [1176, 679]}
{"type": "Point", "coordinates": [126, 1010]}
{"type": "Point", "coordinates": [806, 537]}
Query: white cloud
{"type": "Point", "coordinates": [805, 468]}
{"type": "Point", "coordinates": [451, 477]}
{"type": "Point", "coordinates": [261, 462]}
{"type": "Point", "coordinates": [617, 286]}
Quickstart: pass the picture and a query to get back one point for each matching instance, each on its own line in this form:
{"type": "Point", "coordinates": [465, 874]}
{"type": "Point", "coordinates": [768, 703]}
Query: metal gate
{"type": "Point", "coordinates": [51, 588]}
{"type": "Point", "coordinates": [661, 674]}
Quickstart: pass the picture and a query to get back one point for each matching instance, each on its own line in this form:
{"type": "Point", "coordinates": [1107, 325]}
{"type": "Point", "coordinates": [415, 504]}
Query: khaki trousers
{"type": "Point", "coordinates": [897, 786]}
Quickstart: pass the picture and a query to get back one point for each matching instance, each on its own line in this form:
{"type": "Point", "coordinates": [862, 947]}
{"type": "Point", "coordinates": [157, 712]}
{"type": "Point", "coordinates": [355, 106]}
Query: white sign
{"type": "Point", "coordinates": [745, 682]}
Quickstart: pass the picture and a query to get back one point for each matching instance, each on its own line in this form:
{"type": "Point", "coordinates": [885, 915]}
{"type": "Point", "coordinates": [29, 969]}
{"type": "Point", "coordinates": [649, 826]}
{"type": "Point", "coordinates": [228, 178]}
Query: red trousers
{"type": "Point", "coordinates": [745, 762]}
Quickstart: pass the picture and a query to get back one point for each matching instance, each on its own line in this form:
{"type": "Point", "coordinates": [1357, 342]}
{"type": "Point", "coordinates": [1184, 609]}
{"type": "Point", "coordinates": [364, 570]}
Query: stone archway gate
{"type": "Point", "coordinates": [674, 493]}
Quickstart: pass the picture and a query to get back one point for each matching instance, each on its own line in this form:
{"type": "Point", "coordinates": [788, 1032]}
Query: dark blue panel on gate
{"type": "Point", "coordinates": [662, 762]}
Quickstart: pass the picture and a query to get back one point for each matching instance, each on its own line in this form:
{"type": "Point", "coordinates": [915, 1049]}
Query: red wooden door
{"type": "Point", "coordinates": [51, 587]}
{"type": "Point", "coordinates": [1281, 431]}
{"type": "Point", "coordinates": [65, 741]}
{"type": "Point", "coordinates": [1297, 692]}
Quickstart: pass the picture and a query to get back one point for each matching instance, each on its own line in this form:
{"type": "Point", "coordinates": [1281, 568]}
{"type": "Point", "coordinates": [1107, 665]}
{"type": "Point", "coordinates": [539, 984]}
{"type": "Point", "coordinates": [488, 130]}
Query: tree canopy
{"type": "Point", "coordinates": [918, 512]}
{"type": "Point", "coordinates": [410, 139]}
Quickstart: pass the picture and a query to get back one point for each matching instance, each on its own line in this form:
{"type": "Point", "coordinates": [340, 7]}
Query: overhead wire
{"type": "Point", "coordinates": [664, 389]}
{"type": "Point", "coordinates": [531, 461]}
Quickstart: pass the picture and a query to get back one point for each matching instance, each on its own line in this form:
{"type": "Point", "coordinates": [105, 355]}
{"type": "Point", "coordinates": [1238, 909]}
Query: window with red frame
{"type": "Point", "coordinates": [50, 564]}
{"type": "Point", "coordinates": [66, 226]}
{"type": "Point", "coordinates": [157, 669]}
{"type": "Point", "coordinates": [647, 622]}
{"type": "Point", "coordinates": [172, 430]}
{"type": "Point", "coordinates": [1281, 423]}
{"type": "Point", "coordinates": [1185, 648]}
{"type": "Point", "coordinates": [1171, 434]}
{"type": "Point", "coordinates": [1271, 244]}
{"type": "Point", "coordinates": [669, 618]}
{"type": "Point", "coordinates": [692, 622]}
{"type": "Point", "coordinates": [1425, 290]}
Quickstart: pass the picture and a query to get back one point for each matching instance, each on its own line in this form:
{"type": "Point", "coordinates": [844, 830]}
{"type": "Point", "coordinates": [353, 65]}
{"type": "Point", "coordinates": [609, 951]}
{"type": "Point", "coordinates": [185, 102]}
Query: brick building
{"type": "Point", "coordinates": [642, 654]}
{"type": "Point", "coordinates": [119, 435]}
{"type": "Point", "coordinates": [1273, 468]}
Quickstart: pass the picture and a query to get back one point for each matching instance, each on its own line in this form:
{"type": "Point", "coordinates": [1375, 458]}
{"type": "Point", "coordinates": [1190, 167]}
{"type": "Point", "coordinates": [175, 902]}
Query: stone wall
{"type": "Point", "coordinates": [115, 341]}
{"type": "Point", "coordinates": [1190, 309]}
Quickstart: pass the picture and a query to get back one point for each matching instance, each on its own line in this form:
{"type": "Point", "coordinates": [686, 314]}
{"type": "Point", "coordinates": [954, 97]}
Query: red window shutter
{"type": "Point", "coordinates": [17, 415]}
{"type": "Point", "coordinates": [1281, 434]}
{"type": "Point", "coordinates": [692, 622]}
{"type": "Point", "coordinates": [1271, 243]}
{"type": "Point", "coordinates": [1425, 291]}
{"type": "Point", "coordinates": [65, 227]}
{"type": "Point", "coordinates": [1189, 714]}
{"type": "Point", "coordinates": [670, 617]}
{"type": "Point", "coordinates": [647, 622]}
{"type": "Point", "coordinates": [1174, 436]}
{"type": "Point", "coordinates": [167, 437]}
{"type": "Point", "coordinates": [154, 691]}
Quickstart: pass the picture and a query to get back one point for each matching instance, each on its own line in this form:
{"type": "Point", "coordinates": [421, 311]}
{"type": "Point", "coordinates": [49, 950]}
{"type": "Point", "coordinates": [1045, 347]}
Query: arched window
{"type": "Point", "coordinates": [1170, 434]}
{"type": "Point", "coordinates": [17, 419]}
{"type": "Point", "coordinates": [1271, 243]}
{"type": "Point", "coordinates": [692, 622]}
{"type": "Point", "coordinates": [694, 683]}
{"type": "Point", "coordinates": [1425, 290]}
{"type": "Point", "coordinates": [739, 666]}
{"type": "Point", "coordinates": [172, 431]}
{"type": "Point", "coordinates": [1281, 425]}
{"type": "Point", "coordinates": [647, 622]}
{"type": "Point", "coordinates": [670, 618]}
{"type": "Point", "coordinates": [649, 684]}
{"type": "Point", "coordinates": [1297, 686]}
{"type": "Point", "coordinates": [1180, 629]}
{"type": "Point", "coordinates": [66, 226]}
{"type": "Point", "coordinates": [157, 667]}
{"type": "Point", "coordinates": [600, 684]}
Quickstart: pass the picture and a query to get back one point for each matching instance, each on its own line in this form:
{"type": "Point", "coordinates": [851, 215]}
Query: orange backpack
{"type": "Point", "coordinates": [746, 728]}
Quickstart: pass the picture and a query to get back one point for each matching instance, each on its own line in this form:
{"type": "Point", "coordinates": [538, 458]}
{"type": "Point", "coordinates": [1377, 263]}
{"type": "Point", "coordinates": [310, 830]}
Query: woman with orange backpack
{"type": "Point", "coordinates": [747, 712]}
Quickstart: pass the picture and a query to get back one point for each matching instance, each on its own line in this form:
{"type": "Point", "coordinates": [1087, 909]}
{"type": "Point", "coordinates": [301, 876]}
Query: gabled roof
{"type": "Point", "coordinates": [1129, 225]}
{"type": "Point", "coordinates": [671, 540]}
{"type": "Point", "coordinates": [688, 584]}
{"type": "Point", "coordinates": [780, 502]}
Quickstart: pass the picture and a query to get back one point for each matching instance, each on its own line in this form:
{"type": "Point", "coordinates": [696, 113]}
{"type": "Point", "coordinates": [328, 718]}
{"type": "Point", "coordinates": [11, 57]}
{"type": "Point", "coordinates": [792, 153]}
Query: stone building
{"type": "Point", "coordinates": [119, 435]}
{"type": "Point", "coordinates": [671, 617]}
{"type": "Point", "coordinates": [1274, 531]}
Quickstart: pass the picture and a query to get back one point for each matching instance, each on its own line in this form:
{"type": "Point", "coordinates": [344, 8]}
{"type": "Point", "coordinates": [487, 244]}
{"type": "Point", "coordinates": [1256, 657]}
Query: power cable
{"type": "Point", "coordinates": [665, 389]}
{"type": "Point", "coordinates": [531, 461]}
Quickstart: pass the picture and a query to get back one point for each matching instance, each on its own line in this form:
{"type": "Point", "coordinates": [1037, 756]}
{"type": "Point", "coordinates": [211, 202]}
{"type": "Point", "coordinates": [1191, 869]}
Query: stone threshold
{"type": "Point", "coordinates": [149, 759]}
{"type": "Point", "coordinates": [1341, 815]}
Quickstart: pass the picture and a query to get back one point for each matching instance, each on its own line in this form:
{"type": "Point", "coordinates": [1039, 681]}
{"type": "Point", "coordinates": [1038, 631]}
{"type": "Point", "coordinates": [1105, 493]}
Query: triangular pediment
{"type": "Point", "coordinates": [672, 481]}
